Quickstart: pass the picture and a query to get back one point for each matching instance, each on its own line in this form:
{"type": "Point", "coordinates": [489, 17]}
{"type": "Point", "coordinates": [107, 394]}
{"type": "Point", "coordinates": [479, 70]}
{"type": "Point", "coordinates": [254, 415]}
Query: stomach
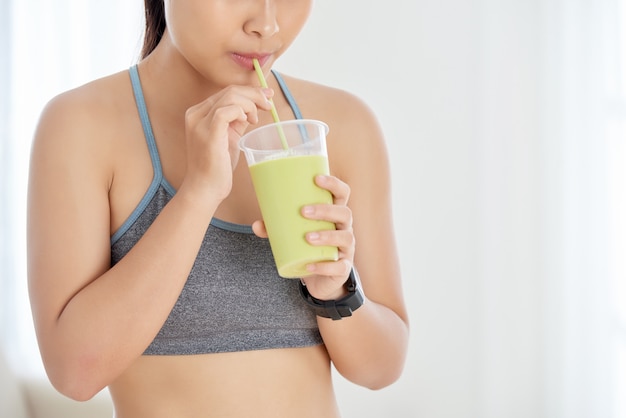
{"type": "Point", "coordinates": [293, 382]}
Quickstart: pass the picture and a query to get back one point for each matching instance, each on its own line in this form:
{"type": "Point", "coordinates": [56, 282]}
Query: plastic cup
{"type": "Point", "coordinates": [284, 182]}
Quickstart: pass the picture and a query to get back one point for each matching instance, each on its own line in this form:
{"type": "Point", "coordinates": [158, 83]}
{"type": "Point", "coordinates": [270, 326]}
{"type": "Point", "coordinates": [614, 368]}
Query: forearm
{"type": "Point", "coordinates": [111, 321]}
{"type": "Point", "coordinates": [369, 348]}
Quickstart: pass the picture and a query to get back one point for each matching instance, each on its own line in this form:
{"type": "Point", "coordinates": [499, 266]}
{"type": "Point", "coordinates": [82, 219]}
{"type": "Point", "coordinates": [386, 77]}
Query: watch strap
{"type": "Point", "coordinates": [340, 308]}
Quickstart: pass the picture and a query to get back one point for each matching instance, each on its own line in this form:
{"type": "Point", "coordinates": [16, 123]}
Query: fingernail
{"type": "Point", "coordinates": [321, 178]}
{"type": "Point", "coordinates": [307, 210]}
{"type": "Point", "coordinates": [313, 236]}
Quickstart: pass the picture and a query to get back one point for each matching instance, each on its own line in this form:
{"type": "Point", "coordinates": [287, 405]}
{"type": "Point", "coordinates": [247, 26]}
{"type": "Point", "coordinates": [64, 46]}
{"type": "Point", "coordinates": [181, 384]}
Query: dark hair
{"type": "Point", "coordinates": [155, 25]}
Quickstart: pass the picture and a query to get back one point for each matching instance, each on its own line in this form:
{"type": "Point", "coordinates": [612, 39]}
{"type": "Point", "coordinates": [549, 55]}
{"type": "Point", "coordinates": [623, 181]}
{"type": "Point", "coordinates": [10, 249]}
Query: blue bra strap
{"type": "Point", "coordinates": [154, 155]}
{"type": "Point", "coordinates": [145, 120]}
{"type": "Point", "coordinates": [288, 95]}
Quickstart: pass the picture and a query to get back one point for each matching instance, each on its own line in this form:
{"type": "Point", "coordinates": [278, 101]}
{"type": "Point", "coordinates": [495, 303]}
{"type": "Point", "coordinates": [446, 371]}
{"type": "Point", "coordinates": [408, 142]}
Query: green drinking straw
{"type": "Point", "coordinates": [263, 82]}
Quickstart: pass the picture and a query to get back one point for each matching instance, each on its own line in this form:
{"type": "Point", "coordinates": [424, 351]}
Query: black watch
{"type": "Point", "coordinates": [337, 309]}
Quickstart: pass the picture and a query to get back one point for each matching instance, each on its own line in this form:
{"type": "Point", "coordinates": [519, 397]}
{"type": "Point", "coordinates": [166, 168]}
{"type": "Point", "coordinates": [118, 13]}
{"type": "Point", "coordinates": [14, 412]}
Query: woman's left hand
{"type": "Point", "coordinates": [328, 277]}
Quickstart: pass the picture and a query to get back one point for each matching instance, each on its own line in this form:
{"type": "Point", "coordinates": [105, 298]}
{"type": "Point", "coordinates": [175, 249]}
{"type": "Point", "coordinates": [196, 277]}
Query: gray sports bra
{"type": "Point", "coordinates": [233, 299]}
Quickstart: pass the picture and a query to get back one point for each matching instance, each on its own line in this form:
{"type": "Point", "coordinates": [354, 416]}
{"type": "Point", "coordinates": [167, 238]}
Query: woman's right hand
{"type": "Point", "coordinates": [213, 129]}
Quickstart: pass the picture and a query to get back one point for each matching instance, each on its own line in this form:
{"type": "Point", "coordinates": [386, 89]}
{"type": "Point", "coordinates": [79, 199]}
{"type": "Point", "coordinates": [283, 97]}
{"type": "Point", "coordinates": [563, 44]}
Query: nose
{"type": "Point", "coordinates": [263, 22]}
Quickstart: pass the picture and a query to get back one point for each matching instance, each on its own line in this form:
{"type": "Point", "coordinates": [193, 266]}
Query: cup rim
{"type": "Point", "coordinates": [281, 123]}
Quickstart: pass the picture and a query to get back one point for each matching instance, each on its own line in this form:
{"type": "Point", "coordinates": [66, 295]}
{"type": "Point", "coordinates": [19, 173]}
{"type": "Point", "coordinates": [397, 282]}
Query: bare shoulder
{"type": "Point", "coordinates": [86, 110]}
{"type": "Point", "coordinates": [83, 120]}
{"type": "Point", "coordinates": [354, 128]}
{"type": "Point", "coordinates": [330, 104]}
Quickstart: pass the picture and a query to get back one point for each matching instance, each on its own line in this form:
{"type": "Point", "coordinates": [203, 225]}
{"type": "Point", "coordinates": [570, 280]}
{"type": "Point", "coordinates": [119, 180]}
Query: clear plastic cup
{"type": "Point", "coordinates": [284, 159]}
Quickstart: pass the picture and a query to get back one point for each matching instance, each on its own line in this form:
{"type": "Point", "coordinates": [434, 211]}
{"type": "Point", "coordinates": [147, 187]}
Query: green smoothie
{"type": "Point", "coordinates": [283, 186]}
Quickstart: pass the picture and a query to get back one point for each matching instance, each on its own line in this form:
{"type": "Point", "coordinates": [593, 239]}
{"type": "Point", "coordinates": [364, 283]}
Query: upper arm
{"type": "Point", "coordinates": [358, 155]}
{"type": "Point", "coordinates": [68, 210]}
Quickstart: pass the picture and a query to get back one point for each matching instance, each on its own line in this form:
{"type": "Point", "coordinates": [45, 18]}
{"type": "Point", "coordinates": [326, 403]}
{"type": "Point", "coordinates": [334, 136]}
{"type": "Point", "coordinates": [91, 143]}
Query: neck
{"type": "Point", "coordinates": [171, 81]}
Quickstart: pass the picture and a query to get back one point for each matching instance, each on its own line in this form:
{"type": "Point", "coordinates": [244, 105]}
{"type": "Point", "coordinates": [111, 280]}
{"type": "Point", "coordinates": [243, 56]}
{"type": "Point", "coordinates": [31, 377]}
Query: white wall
{"type": "Point", "coordinates": [456, 85]}
{"type": "Point", "coordinates": [416, 63]}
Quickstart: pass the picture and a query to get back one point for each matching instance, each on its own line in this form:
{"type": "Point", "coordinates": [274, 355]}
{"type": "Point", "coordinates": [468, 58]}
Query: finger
{"type": "Point", "coordinates": [342, 239]}
{"type": "Point", "coordinates": [258, 227]}
{"type": "Point", "coordinates": [216, 126]}
{"type": "Point", "coordinates": [338, 270]}
{"type": "Point", "coordinates": [341, 216]}
{"type": "Point", "coordinates": [339, 189]}
{"type": "Point", "coordinates": [248, 98]}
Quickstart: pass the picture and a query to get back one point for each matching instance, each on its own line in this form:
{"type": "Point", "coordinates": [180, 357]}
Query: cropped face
{"type": "Point", "coordinates": [219, 38]}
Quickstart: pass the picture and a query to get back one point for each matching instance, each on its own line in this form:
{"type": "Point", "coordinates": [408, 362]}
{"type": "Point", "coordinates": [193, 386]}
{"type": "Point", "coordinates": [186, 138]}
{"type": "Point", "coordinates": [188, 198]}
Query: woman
{"type": "Point", "coordinates": [149, 271]}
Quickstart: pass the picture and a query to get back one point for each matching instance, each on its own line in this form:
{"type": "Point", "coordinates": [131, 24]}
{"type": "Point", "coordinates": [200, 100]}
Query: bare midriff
{"type": "Point", "coordinates": [265, 383]}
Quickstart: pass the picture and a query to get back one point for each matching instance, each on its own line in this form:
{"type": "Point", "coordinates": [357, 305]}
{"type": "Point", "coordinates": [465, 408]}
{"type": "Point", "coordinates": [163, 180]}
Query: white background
{"type": "Point", "coordinates": [494, 113]}
{"type": "Point", "coordinates": [504, 121]}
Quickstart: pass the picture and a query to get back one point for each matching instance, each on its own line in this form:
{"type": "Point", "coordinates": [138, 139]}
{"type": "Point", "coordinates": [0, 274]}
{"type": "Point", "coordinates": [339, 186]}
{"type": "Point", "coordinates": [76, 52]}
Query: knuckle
{"type": "Point", "coordinates": [352, 240]}
{"type": "Point", "coordinates": [347, 190]}
{"type": "Point", "coordinates": [230, 90]}
{"type": "Point", "coordinates": [347, 266]}
{"type": "Point", "coordinates": [190, 116]}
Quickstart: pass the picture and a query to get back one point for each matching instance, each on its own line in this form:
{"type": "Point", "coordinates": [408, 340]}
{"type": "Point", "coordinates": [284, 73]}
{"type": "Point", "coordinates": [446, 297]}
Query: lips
{"type": "Point", "coordinates": [245, 59]}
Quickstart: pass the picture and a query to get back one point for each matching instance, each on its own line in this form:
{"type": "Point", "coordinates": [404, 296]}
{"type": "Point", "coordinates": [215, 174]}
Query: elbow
{"type": "Point", "coordinates": [385, 369]}
{"type": "Point", "coordinates": [74, 392]}
{"type": "Point", "coordinates": [377, 378]}
{"type": "Point", "coordinates": [77, 389]}
{"type": "Point", "coordinates": [74, 379]}
{"type": "Point", "coordinates": [382, 380]}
